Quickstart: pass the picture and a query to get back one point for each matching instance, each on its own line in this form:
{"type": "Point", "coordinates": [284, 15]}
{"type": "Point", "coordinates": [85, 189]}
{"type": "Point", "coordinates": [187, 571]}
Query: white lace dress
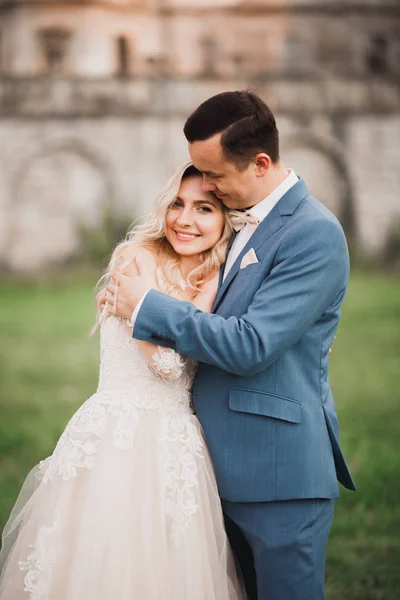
{"type": "Point", "coordinates": [126, 507]}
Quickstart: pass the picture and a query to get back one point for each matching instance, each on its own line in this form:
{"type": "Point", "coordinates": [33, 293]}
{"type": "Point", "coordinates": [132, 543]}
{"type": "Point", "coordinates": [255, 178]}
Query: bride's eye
{"type": "Point", "coordinates": [176, 204]}
{"type": "Point", "coordinates": [205, 209]}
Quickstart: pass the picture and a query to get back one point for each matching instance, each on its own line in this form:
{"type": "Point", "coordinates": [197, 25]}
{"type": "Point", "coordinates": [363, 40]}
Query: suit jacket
{"type": "Point", "coordinates": [262, 391]}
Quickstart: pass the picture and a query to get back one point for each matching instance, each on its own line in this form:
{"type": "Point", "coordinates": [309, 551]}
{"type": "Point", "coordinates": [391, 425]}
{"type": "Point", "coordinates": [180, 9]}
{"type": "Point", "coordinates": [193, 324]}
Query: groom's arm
{"type": "Point", "coordinates": [310, 274]}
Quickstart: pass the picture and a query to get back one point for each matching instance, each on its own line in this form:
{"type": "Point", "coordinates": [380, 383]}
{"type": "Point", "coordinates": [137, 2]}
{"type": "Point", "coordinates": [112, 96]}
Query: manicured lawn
{"type": "Point", "coordinates": [48, 367]}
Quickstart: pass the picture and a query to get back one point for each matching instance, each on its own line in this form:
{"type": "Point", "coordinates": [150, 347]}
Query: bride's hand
{"type": "Point", "coordinates": [103, 303]}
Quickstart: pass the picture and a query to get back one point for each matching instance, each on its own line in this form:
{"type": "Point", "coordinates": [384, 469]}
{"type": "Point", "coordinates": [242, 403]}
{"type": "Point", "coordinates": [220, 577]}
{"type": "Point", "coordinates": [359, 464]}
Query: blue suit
{"type": "Point", "coordinates": [262, 391]}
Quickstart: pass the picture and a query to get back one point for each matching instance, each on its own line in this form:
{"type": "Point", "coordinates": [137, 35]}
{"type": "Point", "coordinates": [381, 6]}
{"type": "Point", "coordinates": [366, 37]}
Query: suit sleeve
{"type": "Point", "coordinates": [310, 273]}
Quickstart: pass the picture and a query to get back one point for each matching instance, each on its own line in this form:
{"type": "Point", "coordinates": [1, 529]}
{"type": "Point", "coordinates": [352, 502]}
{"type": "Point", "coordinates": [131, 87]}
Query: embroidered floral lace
{"type": "Point", "coordinates": [127, 384]}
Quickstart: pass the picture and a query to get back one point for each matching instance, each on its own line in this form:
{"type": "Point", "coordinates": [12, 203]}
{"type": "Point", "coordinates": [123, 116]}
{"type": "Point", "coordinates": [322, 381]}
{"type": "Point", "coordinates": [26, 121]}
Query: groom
{"type": "Point", "coordinates": [262, 391]}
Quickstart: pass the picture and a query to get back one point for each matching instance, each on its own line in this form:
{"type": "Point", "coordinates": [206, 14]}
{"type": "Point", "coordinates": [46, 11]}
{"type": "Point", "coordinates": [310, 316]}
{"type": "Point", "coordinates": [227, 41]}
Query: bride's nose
{"type": "Point", "coordinates": [185, 218]}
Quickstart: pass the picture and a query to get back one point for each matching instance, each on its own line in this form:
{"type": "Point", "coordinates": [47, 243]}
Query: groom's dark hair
{"type": "Point", "coordinates": [245, 121]}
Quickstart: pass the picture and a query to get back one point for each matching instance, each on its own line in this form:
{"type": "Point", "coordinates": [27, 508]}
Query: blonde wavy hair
{"type": "Point", "coordinates": [150, 235]}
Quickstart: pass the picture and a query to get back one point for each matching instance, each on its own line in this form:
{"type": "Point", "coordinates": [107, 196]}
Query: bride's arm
{"type": "Point", "coordinates": [163, 362]}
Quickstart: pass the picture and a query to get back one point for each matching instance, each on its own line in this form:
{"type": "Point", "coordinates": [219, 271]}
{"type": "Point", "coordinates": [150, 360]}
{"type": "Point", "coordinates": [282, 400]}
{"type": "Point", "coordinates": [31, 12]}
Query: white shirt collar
{"type": "Point", "coordinates": [263, 208]}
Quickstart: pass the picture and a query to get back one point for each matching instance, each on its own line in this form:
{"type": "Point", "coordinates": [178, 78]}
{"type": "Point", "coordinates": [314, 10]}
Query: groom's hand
{"type": "Point", "coordinates": [123, 293]}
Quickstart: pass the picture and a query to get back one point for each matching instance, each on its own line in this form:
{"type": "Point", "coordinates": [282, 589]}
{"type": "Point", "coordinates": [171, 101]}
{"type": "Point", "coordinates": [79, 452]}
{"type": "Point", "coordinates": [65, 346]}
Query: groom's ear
{"type": "Point", "coordinates": [262, 164]}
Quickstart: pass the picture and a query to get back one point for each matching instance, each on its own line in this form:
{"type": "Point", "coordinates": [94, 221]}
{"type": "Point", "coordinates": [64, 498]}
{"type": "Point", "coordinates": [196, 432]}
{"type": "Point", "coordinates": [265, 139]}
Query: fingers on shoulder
{"type": "Point", "coordinates": [123, 256]}
{"type": "Point", "coordinates": [124, 259]}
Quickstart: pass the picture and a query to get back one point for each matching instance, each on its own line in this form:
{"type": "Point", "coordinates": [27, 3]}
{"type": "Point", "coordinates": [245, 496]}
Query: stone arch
{"type": "Point", "coordinates": [56, 190]}
{"type": "Point", "coordinates": [322, 164]}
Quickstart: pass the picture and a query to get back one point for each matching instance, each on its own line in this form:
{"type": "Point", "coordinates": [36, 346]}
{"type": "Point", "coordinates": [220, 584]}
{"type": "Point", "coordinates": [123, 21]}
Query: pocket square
{"type": "Point", "coordinates": [249, 259]}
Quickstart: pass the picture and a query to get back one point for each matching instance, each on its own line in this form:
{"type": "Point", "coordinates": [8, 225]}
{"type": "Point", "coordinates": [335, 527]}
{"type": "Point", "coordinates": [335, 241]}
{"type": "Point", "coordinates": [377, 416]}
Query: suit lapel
{"type": "Point", "coordinates": [264, 231]}
{"type": "Point", "coordinates": [221, 272]}
{"type": "Point", "coordinates": [270, 225]}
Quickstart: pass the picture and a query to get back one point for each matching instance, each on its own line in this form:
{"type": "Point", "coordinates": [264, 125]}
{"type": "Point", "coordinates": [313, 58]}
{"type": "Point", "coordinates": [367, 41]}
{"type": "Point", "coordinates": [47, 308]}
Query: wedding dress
{"type": "Point", "coordinates": [126, 507]}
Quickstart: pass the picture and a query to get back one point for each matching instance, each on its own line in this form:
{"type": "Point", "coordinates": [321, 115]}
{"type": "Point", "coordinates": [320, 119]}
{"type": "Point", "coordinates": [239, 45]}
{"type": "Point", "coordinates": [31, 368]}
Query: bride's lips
{"type": "Point", "coordinates": [183, 236]}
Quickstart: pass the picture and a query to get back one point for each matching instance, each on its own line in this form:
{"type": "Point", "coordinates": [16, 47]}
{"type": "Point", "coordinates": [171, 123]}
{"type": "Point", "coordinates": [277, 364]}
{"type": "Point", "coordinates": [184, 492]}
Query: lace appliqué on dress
{"type": "Point", "coordinates": [127, 418]}
{"type": "Point", "coordinates": [167, 362]}
{"type": "Point", "coordinates": [78, 445]}
{"type": "Point", "coordinates": [41, 562]}
{"type": "Point", "coordinates": [183, 445]}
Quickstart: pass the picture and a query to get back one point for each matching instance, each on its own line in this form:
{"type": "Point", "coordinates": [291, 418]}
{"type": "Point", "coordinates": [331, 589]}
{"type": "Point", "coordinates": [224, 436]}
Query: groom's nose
{"type": "Point", "coordinates": [208, 185]}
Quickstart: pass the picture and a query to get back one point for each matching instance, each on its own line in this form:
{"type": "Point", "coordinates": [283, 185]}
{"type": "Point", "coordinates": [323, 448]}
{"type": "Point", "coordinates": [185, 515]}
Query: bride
{"type": "Point", "coordinates": [127, 505]}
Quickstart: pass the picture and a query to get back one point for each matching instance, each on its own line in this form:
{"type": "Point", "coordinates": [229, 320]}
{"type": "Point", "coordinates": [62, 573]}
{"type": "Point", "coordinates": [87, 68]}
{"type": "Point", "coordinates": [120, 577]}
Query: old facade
{"type": "Point", "coordinates": [93, 97]}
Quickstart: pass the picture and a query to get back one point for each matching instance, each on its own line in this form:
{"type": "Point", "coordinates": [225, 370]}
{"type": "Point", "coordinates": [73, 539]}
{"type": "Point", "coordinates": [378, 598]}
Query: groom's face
{"type": "Point", "coordinates": [235, 188]}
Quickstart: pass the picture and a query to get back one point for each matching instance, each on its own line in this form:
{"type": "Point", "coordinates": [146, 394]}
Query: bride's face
{"type": "Point", "coordinates": [195, 222]}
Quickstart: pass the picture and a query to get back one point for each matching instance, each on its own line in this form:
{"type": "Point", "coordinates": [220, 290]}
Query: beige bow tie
{"type": "Point", "coordinates": [240, 219]}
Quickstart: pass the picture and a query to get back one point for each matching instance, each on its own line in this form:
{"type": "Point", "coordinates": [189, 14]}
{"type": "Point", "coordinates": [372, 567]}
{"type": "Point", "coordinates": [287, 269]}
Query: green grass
{"type": "Point", "coordinates": [48, 367]}
{"type": "Point", "coordinates": [364, 549]}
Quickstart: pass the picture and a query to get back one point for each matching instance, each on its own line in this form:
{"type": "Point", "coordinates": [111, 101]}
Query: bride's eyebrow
{"type": "Point", "coordinates": [210, 202]}
{"type": "Point", "coordinates": [197, 202]}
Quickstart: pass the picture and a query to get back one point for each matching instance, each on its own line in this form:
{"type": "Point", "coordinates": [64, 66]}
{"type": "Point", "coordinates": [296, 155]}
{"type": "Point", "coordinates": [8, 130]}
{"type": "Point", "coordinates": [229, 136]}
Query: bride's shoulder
{"type": "Point", "coordinates": [125, 254]}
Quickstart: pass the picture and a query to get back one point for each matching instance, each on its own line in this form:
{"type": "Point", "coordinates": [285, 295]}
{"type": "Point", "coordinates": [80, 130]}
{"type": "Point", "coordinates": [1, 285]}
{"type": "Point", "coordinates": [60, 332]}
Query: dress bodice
{"type": "Point", "coordinates": [123, 369]}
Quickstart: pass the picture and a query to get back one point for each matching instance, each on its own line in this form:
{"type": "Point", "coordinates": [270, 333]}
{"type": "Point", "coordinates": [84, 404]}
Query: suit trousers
{"type": "Point", "coordinates": [280, 547]}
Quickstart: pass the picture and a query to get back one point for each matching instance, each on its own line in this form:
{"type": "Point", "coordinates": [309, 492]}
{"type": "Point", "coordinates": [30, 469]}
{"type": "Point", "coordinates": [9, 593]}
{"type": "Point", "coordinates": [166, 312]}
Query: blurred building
{"type": "Point", "coordinates": [94, 94]}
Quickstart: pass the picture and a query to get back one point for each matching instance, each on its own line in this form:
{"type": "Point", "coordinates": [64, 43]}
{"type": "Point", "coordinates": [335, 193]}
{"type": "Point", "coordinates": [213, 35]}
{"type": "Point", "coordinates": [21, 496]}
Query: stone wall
{"type": "Point", "coordinates": [58, 174]}
{"type": "Point", "coordinates": [93, 97]}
